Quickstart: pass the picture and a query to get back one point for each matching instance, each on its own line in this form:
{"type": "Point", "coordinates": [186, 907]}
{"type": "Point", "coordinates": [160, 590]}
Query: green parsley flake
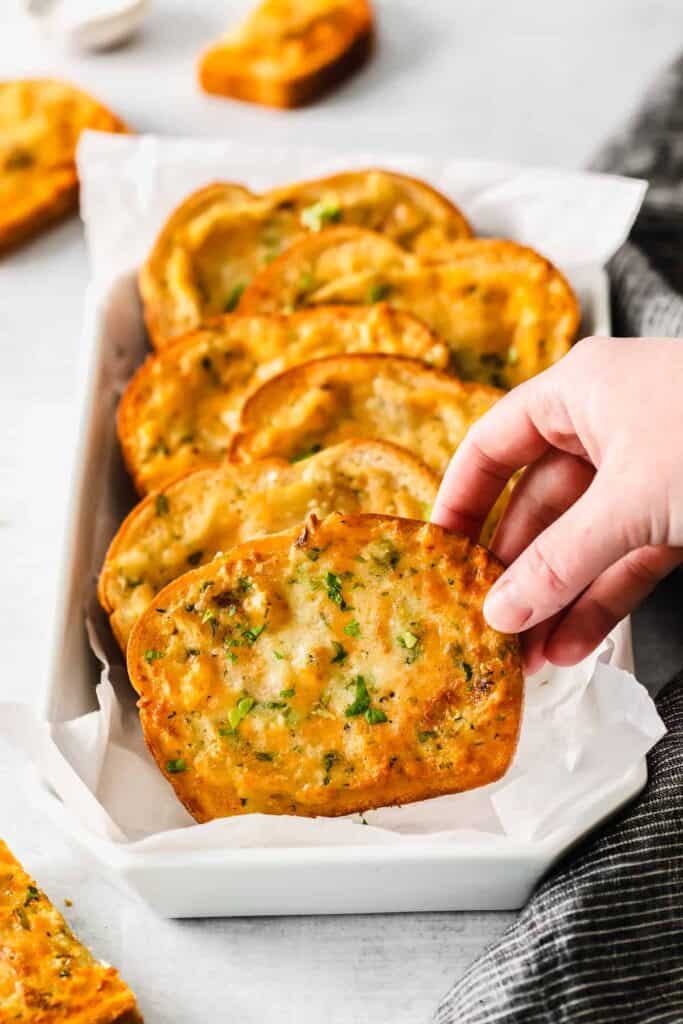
{"type": "Point", "coordinates": [313, 450]}
{"type": "Point", "coordinates": [334, 591]}
{"type": "Point", "coordinates": [209, 617]}
{"type": "Point", "coordinates": [176, 766]}
{"type": "Point", "coordinates": [250, 636]}
{"type": "Point", "coordinates": [340, 653]}
{"type": "Point", "coordinates": [161, 505]}
{"type": "Point", "coordinates": [352, 628]}
{"type": "Point", "coordinates": [325, 211]}
{"type": "Point", "coordinates": [410, 643]}
{"type": "Point", "coordinates": [152, 655]}
{"type": "Point", "coordinates": [361, 701]}
{"type": "Point", "coordinates": [279, 655]}
{"type": "Point", "coordinates": [233, 298]}
{"type": "Point", "coordinates": [288, 693]}
{"type": "Point", "coordinates": [428, 734]}
{"type": "Point", "coordinates": [263, 755]}
{"type": "Point", "coordinates": [32, 893]}
{"type": "Point", "coordinates": [375, 716]}
{"type": "Point", "coordinates": [240, 711]}
{"type": "Point", "coordinates": [467, 669]}
{"type": "Point", "coordinates": [328, 761]}
{"type": "Point", "coordinates": [377, 292]}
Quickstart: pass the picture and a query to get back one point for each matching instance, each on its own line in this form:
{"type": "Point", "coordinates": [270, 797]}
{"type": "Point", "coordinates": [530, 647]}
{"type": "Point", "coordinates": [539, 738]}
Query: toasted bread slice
{"type": "Point", "coordinates": [289, 52]}
{"type": "Point", "coordinates": [46, 975]}
{"type": "Point", "coordinates": [212, 510]}
{"type": "Point", "coordinates": [387, 398]}
{"type": "Point", "coordinates": [214, 243]}
{"type": "Point", "coordinates": [40, 124]}
{"type": "Point", "coordinates": [504, 310]}
{"type": "Point", "coordinates": [182, 406]}
{"type": "Point", "coordinates": [331, 669]}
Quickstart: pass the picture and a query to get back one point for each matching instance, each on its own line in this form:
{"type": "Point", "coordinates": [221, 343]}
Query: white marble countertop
{"type": "Point", "coordinates": [531, 81]}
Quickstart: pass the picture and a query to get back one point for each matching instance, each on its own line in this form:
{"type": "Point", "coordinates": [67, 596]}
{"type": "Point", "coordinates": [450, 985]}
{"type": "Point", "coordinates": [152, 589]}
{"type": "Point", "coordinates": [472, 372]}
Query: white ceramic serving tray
{"type": "Point", "coordinates": [424, 875]}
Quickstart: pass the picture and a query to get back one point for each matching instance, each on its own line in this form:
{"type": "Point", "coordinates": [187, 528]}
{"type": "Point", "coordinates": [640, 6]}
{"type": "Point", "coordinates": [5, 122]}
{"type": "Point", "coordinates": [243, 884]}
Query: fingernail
{"type": "Point", "coordinates": [505, 609]}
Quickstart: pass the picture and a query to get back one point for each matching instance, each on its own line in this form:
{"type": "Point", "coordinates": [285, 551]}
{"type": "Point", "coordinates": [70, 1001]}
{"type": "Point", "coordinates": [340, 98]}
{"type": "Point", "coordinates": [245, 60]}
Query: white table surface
{"type": "Point", "coordinates": [530, 81]}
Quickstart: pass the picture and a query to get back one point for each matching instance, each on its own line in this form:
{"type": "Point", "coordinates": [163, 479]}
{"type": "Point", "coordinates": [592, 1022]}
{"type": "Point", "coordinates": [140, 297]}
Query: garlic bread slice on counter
{"type": "Point", "coordinates": [214, 509]}
{"type": "Point", "coordinates": [334, 668]}
{"type": "Point", "coordinates": [211, 247]}
{"type": "Point", "coordinates": [182, 406]}
{"type": "Point", "coordinates": [41, 120]}
{"type": "Point", "coordinates": [387, 398]}
{"type": "Point", "coordinates": [46, 975]}
{"type": "Point", "coordinates": [504, 310]}
{"type": "Point", "coordinates": [286, 53]}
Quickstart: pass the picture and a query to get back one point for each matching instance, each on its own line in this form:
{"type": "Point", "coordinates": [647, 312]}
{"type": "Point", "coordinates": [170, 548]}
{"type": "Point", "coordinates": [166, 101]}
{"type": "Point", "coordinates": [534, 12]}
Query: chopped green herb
{"type": "Point", "coordinates": [195, 558]}
{"type": "Point", "coordinates": [262, 755]}
{"type": "Point", "coordinates": [467, 669]}
{"type": "Point", "coordinates": [279, 655]}
{"type": "Point", "coordinates": [340, 653]}
{"type": "Point", "coordinates": [375, 716]}
{"type": "Point", "coordinates": [245, 584]}
{"type": "Point", "coordinates": [328, 761]}
{"type": "Point", "coordinates": [361, 701]}
{"type": "Point", "coordinates": [410, 643]}
{"type": "Point", "coordinates": [234, 296]}
{"type": "Point", "coordinates": [377, 292]}
{"type": "Point", "coordinates": [313, 450]}
{"type": "Point", "coordinates": [205, 586]}
{"type": "Point", "coordinates": [23, 919]}
{"type": "Point", "coordinates": [334, 591]}
{"type": "Point", "coordinates": [132, 584]}
{"type": "Point", "coordinates": [209, 617]}
{"type": "Point", "coordinates": [240, 711]}
{"type": "Point", "coordinates": [161, 505]}
{"type": "Point", "coordinates": [352, 628]}
{"type": "Point", "coordinates": [251, 635]}
{"type": "Point", "coordinates": [176, 766]}
{"type": "Point", "coordinates": [152, 655]}
{"type": "Point", "coordinates": [386, 554]}
{"type": "Point", "coordinates": [429, 734]}
{"type": "Point", "coordinates": [313, 554]}
{"type": "Point", "coordinates": [288, 693]}
{"type": "Point", "coordinates": [274, 705]}
{"type": "Point", "coordinates": [32, 893]}
{"type": "Point", "coordinates": [325, 211]}
{"type": "Point", "coordinates": [230, 655]}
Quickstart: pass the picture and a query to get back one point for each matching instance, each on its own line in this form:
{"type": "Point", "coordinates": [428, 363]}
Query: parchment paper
{"type": "Point", "coordinates": [583, 728]}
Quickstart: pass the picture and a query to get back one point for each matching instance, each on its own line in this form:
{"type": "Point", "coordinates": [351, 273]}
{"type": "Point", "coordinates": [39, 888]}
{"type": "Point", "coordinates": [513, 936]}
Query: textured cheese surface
{"type": "Point", "coordinates": [505, 311]}
{"type": "Point", "coordinates": [218, 239]}
{"type": "Point", "coordinates": [40, 124]}
{"type": "Point", "coordinates": [334, 668]}
{"type": "Point", "coordinates": [212, 510]}
{"type": "Point", "coordinates": [382, 397]}
{"type": "Point", "coordinates": [182, 407]}
{"type": "Point", "coordinates": [46, 975]}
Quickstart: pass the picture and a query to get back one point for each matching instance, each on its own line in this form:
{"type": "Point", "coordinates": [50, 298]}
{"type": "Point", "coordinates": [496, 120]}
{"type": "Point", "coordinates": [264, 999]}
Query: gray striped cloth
{"type": "Point", "coordinates": [601, 940]}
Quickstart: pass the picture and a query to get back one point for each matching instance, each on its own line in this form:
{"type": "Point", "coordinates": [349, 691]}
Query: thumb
{"type": "Point", "coordinates": [564, 559]}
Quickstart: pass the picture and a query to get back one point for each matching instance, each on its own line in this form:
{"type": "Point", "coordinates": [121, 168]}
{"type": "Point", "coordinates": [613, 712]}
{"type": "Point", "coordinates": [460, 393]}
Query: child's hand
{"type": "Point", "coordinates": [597, 518]}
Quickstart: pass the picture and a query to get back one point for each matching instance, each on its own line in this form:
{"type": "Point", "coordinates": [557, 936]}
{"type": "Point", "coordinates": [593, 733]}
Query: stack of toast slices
{"type": "Point", "coordinates": [302, 640]}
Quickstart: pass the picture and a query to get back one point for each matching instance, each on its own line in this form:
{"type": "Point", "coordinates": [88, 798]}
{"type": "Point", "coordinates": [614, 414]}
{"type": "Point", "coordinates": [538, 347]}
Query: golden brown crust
{"type": "Point", "coordinates": [328, 670]}
{"type": "Point", "coordinates": [180, 409]}
{"type": "Point", "coordinates": [286, 57]}
{"type": "Point", "coordinates": [40, 123]}
{"type": "Point", "coordinates": [211, 510]}
{"type": "Point", "coordinates": [220, 237]}
{"type": "Point", "coordinates": [505, 311]}
{"type": "Point", "coordinates": [388, 398]}
{"type": "Point", "coordinates": [46, 975]}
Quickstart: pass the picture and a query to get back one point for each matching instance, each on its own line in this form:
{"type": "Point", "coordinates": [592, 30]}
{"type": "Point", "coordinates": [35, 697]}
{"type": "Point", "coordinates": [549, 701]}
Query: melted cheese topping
{"type": "Point", "coordinates": [329, 670]}
{"type": "Point", "coordinates": [204, 257]}
{"type": "Point", "coordinates": [181, 409]}
{"type": "Point", "coordinates": [213, 510]}
{"type": "Point", "coordinates": [505, 311]}
{"type": "Point", "coordinates": [46, 975]}
{"type": "Point", "coordinates": [380, 397]}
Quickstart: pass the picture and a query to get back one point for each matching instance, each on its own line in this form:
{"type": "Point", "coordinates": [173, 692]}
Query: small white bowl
{"type": "Point", "coordinates": [90, 24]}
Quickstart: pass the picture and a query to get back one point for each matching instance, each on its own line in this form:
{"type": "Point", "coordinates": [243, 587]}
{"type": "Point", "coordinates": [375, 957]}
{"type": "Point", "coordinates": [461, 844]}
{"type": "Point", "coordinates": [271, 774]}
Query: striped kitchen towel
{"type": "Point", "coordinates": [601, 940]}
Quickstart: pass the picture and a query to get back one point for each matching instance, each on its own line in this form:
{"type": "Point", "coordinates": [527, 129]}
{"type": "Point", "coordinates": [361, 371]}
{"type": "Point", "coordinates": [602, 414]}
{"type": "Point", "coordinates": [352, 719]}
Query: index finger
{"type": "Point", "coordinates": [510, 435]}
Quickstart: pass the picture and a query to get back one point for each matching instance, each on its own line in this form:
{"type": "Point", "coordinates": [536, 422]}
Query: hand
{"type": "Point", "coordinates": [596, 519]}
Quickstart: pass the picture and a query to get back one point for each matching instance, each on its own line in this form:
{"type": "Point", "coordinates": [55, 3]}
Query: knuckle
{"type": "Point", "coordinates": [543, 569]}
{"type": "Point", "coordinates": [485, 462]}
{"type": "Point", "coordinates": [647, 565]}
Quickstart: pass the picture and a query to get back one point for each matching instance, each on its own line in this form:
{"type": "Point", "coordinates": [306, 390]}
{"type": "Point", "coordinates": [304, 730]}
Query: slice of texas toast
{"type": "Point", "coordinates": [182, 406]}
{"type": "Point", "coordinates": [212, 510]}
{"type": "Point", "coordinates": [289, 52]}
{"type": "Point", "coordinates": [220, 237]}
{"type": "Point", "coordinates": [337, 667]}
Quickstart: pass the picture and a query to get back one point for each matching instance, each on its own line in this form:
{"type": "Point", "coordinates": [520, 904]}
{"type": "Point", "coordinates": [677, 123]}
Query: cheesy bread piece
{"type": "Point", "coordinates": [341, 666]}
{"type": "Point", "coordinates": [288, 52]}
{"type": "Point", "coordinates": [504, 310]}
{"type": "Point", "coordinates": [182, 406]}
{"type": "Point", "coordinates": [387, 398]}
{"type": "Point", "coordinates": [40, 124]}
{"type": "Point", "coordinates": [212, 510]}
{"type": "Point", "coordinates": [46, 975]}
{"type": "Point", "coordinates": [218, 238]}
